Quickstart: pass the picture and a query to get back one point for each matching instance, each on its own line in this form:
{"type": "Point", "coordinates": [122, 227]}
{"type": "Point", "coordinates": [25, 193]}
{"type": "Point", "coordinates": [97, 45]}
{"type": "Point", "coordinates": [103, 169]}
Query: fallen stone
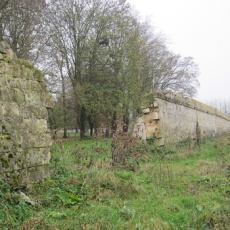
{"type": "Point", "coordinates": [26, 198]}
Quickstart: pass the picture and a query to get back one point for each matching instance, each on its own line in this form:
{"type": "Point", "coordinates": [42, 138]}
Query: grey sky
{"type": "Point", "coordinates": [197, 28]}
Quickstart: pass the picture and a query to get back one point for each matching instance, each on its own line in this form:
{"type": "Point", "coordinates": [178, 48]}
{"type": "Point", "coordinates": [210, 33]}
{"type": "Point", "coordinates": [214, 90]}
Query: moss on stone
{"type": "Point", "coordinates": [26, 151]}
{"type": "Point", "coordinates": [15, 181]}
{"type": "Point", "coordinates": [147, 100]}
{"type": "Point", "coordinates": [5, 163]}
{"type": "Point", "coordinates": [149, 97]}
{"type": "Point", "coordinates": [25, 63]}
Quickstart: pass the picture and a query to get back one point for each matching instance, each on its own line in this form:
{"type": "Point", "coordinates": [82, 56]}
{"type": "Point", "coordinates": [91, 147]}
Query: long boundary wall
{"type": "Point", "coordinates": [172, 117]}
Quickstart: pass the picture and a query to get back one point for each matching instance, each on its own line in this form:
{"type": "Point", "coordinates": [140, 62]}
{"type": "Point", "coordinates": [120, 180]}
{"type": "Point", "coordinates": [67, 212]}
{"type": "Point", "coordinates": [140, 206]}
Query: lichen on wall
{"type": "Point", "coordinates": [171, 117]}
{"type": "Point", "coordinates": [24, 137]}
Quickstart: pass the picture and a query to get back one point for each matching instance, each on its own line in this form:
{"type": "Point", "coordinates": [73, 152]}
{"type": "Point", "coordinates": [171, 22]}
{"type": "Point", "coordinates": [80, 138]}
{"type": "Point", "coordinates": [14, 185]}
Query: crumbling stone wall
{"type": "Point", "coordinates": [171, 117]}
{"type": "Point", "coordinates": [24, 137]}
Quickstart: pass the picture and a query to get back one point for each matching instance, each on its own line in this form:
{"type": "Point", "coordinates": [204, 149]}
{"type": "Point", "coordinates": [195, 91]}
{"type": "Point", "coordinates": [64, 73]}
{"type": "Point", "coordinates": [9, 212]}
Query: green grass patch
{"type": "Point", "coordinates": [170, 188]}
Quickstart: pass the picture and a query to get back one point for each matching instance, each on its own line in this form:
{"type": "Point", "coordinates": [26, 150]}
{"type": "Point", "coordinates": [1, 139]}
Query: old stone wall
{"type": "Point", "coordinates": [24, 138]}
{"type": "Point", "coordinates": [172, 117]}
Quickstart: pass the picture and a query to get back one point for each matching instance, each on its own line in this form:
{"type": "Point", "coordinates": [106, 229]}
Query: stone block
{"type": "Point", "coordinates": [160, 141]}
{"type": "Point", "coordinates": [150, 117]}
{"type": "Point", "coordinates": [147, 110]}
{"type": "Point", "coordinates": [11, 110]}
{"type": "Point", "coordinates": [150, 130]}
{"type": "Point", "coordinates": [16, 95]}
{"type": "Point", "coordinates": [155, 104]}
{"type": "Point", "coordinates": [33, 111]}
{"type": "Point", "coordinates": [139, 130]}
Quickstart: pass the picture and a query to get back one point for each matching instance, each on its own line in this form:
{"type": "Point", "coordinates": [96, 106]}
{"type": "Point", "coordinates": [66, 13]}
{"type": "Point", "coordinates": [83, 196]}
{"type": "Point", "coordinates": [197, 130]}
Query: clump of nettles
{"type": "Point", "coordinates": [14, 210]}
{"type": "Point", "coordinates": [125, 150]}
{"type": "Point", "coordinates": [122, 150]}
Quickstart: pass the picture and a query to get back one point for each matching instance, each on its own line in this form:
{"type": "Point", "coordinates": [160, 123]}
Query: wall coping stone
{"type": "Point", "coordinates": [180, 99]}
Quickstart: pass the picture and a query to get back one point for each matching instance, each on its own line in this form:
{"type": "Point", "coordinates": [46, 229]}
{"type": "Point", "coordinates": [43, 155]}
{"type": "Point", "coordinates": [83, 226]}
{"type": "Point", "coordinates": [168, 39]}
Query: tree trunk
{"type": "Point", "coordinates": [60, 66]}
{"type": "Point", "coordinates": [125, 123]}
{"type": "Point", "coordinates": [1, 32]}
{"type": "Point", "coordinates": [91, 130]}
{"type": "Point", "coordinates": [64, 106]}
{"type": "Point", "coordinates": [114, 124]}
{"type": "Point", "coordinates": [82, 123]}
{"type": "Point", "coordinates": [3, 4]}
{"type": "Point", "coordinates": [90, 125]}
{"type": "Point", "coordinates": [96, 128]}
{"type": "Point", "coordinates": [52, 124]}
{"type": "Point", "coordinates": [107, 132]}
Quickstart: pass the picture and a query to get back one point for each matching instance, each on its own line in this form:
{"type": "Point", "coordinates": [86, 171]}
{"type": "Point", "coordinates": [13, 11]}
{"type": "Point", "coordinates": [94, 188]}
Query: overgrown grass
{"type": "Point", "coordinates": [170, 188]}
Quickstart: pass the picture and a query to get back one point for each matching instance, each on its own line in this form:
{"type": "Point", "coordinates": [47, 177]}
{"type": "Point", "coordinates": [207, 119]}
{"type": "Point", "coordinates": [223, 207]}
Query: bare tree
{"type": "Point", "coordinates": [3, 5]}
{"type": "Point", "coordinates": [162, 69]}
{"type": "Point", "coordinates": [221, 104]}
{"type": "Point", "coordinates": [21, 26]}
{"type": "Point", "coordinates": [177, 74]}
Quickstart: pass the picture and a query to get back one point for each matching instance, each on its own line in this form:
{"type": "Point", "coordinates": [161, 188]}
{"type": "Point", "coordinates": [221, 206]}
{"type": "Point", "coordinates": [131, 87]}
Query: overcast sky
{"type": "Point", "coordinates": [200, 29]}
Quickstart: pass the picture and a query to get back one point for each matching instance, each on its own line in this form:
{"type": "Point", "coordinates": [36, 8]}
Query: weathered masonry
{"type": "Point", "coordinates": [24, 138]}
{"type": "Point", "coordinates": [171, 117]}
